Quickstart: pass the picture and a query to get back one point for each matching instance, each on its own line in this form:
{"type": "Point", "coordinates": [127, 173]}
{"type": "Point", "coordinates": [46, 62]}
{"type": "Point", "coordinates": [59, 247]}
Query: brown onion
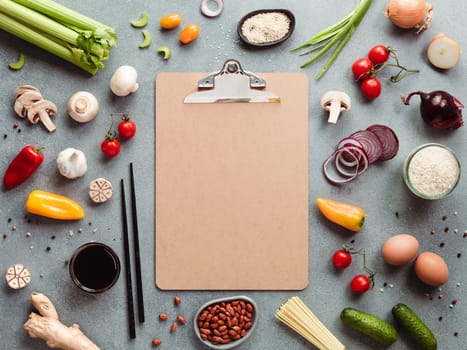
{"type": "Point", "coordinates": [410, 14]}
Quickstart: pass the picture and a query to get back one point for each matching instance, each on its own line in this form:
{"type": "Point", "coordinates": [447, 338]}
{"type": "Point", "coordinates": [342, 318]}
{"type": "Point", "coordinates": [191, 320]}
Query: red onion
{"type": "Point", "coordinates": [439, 109]}
{"type": "Point", "coordinates": [356, 152]}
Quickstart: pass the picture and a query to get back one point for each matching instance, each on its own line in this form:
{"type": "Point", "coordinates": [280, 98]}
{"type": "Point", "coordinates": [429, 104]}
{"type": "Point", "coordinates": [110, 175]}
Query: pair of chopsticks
{"type": "Point", "coordinates": [126, 242]}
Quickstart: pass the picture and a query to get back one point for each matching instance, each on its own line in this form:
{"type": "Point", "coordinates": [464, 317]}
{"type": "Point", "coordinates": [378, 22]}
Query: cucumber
{"type": "Point", "coordinates": [368, 324]}
{"type": "Point", "coordinates": [415, 327]}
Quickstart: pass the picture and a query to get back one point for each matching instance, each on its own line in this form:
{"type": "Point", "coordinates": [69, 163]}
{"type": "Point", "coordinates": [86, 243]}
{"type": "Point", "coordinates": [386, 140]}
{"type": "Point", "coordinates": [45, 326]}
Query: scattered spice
{"type": "Point", "coordinates": [444, 218]}
{"type": "Point", "coordinates": [459, 255]}
{"type": "Point", "coordinates": [5, 236]}
{"type": "Point", "coordinates": [397, 214]}
{"type": "Point", "coordinates": [156, 342]}
{"type": "Point", "coordinates": [266, 27]}
{"type": "Point", "coordinates": [440, 318]}
{"type": "Point", "coordinates": [441, 245]}
{"type": "Point", "coordinates": [456, 334]}
{"type": "Point", "coordinates": [446, 229]}
{"type": "Point", "coordinates": [433, 232]}
{"type": "Point", "coordinates": [181, 320]}
{"type": "Point", "coordinates": [48, 249]}
{"type": "Point", "coordinates": [163, 316]}
{"type": "Point", "coordinates": [177, 300]}
{"type": "Point", "coordinates": [173, 327]}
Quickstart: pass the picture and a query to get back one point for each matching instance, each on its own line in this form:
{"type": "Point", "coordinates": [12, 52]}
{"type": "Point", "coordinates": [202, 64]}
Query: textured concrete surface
{"type": "Point", "coordinates": [45, 245]}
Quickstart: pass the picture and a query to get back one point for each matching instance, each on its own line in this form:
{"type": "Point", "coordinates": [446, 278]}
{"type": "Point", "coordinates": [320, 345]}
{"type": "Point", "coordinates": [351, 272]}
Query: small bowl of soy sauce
{"type": "Point", "coordinates": [94, 267]}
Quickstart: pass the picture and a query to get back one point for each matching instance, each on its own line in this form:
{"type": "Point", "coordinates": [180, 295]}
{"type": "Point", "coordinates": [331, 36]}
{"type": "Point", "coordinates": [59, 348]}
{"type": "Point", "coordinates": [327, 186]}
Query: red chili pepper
{"type": "Point", "coordinates": [22, 166]}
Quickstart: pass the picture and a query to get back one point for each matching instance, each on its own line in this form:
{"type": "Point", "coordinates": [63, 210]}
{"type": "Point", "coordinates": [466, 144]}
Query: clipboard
{"type": "Point", "coordinates": [231, 183]}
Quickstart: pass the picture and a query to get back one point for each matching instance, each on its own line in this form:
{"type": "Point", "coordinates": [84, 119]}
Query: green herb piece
{"type": "Point", "coordinates": [147, 39]}
{"type": "Point", "coordinates": [59, 30]}
{"type": "Point", "coordinates": [18, 64]}
{"type": "Point", "coordinates": [335, 36]}
{"type": "Point", "coordinates": [164, 51]}
{"type": "Point", "coordinates": [141, 22]}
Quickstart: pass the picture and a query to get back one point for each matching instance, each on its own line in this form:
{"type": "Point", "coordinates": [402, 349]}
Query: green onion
{"type": "Point", "coordinates": [336, 35]}
{"type": "Point", "coordinates": [59, 30]}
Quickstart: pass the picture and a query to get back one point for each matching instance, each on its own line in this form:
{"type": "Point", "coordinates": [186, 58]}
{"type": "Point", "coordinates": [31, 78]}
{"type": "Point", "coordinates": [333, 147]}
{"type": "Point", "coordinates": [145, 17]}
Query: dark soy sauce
{"type": "Point", "coordinates": [94, 267]}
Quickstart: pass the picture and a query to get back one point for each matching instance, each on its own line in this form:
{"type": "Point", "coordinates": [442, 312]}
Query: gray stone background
{"type": "Point", "coordinates": [44, 245]}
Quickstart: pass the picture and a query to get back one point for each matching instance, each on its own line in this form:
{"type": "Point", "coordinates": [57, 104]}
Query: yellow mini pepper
{"type": "Point", "coordinates": [53, 206]}
{"type": "Point", "coordinates": [346, 215]}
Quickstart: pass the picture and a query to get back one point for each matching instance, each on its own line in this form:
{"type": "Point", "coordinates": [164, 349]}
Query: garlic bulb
{"type": "Point", "coordinates": [72, 163]}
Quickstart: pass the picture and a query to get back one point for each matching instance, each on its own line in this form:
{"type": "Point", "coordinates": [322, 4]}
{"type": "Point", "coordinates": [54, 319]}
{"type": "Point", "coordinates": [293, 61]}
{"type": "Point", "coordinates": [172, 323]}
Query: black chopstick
{"type": "Point", "coordinates": [126, 243]}
{"type": "Point", "coordinates": [139, 280]}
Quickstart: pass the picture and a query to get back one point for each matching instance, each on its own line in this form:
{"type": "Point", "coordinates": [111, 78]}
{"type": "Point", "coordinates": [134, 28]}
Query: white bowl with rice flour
{"type": "Point", "coordinates": [432, 171]}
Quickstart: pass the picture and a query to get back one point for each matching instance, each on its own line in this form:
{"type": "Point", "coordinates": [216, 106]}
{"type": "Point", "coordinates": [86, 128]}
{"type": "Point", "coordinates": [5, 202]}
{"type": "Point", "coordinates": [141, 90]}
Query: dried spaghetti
{"type": "Point", "coordinates": [296, 315]}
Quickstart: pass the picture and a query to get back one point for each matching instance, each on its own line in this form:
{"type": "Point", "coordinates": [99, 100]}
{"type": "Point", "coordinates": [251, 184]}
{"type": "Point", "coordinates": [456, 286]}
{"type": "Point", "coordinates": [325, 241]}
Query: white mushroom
{"type": "Point", "coordinates": [335, 102]}
{"type": "Point", "coordinates": [124, 81]}
{"type": "Point", "coordinates": [82, 106]}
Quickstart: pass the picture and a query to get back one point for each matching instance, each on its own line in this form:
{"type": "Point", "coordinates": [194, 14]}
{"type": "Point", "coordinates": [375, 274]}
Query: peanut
{"type": "Point", "coordinates": [224, 322]}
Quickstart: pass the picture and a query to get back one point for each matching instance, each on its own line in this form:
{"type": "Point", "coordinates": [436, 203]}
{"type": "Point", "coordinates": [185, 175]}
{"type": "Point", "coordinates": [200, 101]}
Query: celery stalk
{"type": "Point", "coordinates": [66, 33]}
{"type": "Point", "coordinates": [34, 37]}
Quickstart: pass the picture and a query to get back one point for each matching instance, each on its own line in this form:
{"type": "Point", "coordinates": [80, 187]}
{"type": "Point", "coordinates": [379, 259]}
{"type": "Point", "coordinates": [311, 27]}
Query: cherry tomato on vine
{"type": "Point", "coordinates": [127, 127]}
{"type": "Point", "coordinates": [361, 68]}
{"type": "Point", "coordinates": [360, 283]}
{"type": "Point", "coordinates": [110, 146]}
{"type": "Point", "coordinates": [378, 54]}
{"type": "Point", "coordinates": [371, 88]}
{"type": "Point", "coordinates": [341, 259]}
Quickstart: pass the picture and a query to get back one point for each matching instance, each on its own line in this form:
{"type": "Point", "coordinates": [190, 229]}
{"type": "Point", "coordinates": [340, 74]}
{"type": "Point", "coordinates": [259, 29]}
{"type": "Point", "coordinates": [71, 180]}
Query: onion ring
{"type": "Point", "coordinates": [351, 151]}
{"type": "Point", "coordinates": [346, 175]}
{"type": "Point", "coordinates": [208, 12]}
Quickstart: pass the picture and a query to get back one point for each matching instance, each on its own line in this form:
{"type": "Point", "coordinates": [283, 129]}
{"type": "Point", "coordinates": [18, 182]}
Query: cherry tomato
{"type": "Point", "coordinates": [371, 88]}
{"type": "Point", "coordinates": [170, 21]}
{"type": "Point", "coordinates": [189, 33]}
{"type": "Point", "coordinates": [110, 146]}
{"type": "Point", "coordinates": [361, 68]}
{"type": "Point", "coordinates": [360, 283]}
{"type": "Point", "coordinates": [127, 127]}
{"type": "Point", "coordinates": [378, 54]}
{"type": "Point", "coordinates": [341, 259]}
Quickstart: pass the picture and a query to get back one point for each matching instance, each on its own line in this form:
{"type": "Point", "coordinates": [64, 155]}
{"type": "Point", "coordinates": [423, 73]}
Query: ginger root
{"type": "Point", "coordinates": [48, 327]}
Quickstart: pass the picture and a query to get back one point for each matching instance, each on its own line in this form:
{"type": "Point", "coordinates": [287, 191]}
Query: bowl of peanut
{"type": "Point", "coordinates": [226, 322]}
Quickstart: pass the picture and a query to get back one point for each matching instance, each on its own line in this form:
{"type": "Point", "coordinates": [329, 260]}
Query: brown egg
{"type": "Point", "coordinates": [431, 269]}
{"type": "Point", "coordinates": [400, 249]}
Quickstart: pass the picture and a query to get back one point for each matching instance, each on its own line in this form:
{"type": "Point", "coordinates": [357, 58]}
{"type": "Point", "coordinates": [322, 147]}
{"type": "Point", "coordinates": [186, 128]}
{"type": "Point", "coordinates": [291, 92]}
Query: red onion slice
{"type": "Point", "coordinates": [371, 144]}
{"type": "Point", "coordinates": [360, 160]}
{"type": "Point", "coordinates": [353, 144]}
{"type": "Point", "coordinates": [345, 175]}
{"type": "Point", "coordinates": [388, 139]}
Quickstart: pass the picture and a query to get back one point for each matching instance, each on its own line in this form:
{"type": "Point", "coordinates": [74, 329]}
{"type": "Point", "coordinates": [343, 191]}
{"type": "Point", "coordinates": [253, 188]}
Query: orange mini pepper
{"type": "Point", "coordinates": [346, 215]}
{"type": "Point", "coordinates": [189, 33]}
{"type": "Point", "coordinates": [53, 206]}
{"type": "Point", "coordinates": [170, 21]}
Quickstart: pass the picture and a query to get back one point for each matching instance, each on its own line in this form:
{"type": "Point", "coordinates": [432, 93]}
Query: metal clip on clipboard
{"type": "Point", "coordinates": [232, 85]}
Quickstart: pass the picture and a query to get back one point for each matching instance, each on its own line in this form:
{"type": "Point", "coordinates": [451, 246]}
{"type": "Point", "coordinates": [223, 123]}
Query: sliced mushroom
{"type": "Point", "coordinates": [25, 100]}
{"type": "Point", "coordinates": [43, 110]}
{"type": "Point", "coordinates": [335, 102]}
{"type": "Point", "coordinates": [82, 106]}
{"type": "Point", "coordinates": [24, 88]}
